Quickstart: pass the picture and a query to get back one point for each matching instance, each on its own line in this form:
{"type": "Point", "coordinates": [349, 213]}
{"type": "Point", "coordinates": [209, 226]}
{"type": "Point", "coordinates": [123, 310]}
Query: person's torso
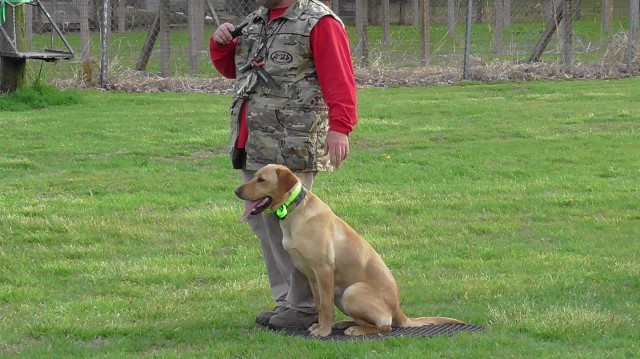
{"type": "Point", "coordinates": [287, 120]}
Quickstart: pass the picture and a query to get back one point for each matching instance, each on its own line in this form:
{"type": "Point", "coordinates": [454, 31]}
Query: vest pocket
{"type": "Point", "coordinates": [299, 120]}
{"type": "Point", "coordinates": [298, 153]}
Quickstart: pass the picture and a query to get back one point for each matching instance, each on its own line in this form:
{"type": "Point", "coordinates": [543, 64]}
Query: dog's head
{"type": "Point", "coordinates": [268, 189]}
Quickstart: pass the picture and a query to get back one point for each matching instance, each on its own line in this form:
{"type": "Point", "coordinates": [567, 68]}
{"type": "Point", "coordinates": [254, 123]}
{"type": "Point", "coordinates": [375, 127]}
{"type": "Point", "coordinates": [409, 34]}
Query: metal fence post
{"type": "Point", "coordinates": [467, 41]}
{"type": "Point", "coordinates": [104, 44]}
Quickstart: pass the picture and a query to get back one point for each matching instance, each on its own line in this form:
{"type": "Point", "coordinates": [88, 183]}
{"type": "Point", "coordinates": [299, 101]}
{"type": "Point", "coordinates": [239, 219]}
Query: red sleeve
{"type": "Point", "coordinates": [222, 57]}
{"type": "Point", "coordinates": [330, 49]}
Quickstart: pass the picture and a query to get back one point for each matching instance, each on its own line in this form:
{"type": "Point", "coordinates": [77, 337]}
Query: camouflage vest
{"type": "Point", "coordinates": [288, 120]}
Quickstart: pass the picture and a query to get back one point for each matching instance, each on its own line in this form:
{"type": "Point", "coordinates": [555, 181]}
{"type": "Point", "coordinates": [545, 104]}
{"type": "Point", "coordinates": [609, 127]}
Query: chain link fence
{"type": "Point", "coordinates": [169, 38]}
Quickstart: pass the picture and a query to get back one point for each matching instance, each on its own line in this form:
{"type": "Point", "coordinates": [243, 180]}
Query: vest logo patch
{"type": "Point", "coordinates": [281, 57]}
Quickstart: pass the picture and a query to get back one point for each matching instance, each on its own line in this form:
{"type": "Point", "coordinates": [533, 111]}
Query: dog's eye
{"type": "Point", "coordinates": [260, 179]}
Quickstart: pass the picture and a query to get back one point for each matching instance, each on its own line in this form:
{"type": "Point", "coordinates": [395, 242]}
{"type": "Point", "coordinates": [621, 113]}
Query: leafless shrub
{"type": "Point", "coordinates": [611, 67]}
{"type": "Point", "coordinates": [129, 80]}
{"type": "Point", "coordinates": [616, 54]}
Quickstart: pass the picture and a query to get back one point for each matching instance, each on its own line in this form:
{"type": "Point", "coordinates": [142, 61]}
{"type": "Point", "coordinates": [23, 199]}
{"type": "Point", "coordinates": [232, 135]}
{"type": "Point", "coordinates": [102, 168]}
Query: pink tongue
{"type": "Point", "coordinates": [248, 209]}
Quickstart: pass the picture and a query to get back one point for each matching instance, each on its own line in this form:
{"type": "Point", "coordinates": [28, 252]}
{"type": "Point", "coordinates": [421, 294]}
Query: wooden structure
{"type": "Point", "coordinates": [13, 53]}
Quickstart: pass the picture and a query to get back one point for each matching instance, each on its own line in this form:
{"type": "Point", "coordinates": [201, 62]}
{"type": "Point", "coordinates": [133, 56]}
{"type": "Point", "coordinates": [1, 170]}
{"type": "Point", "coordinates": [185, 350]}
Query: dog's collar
{"type": "Point", "coordinates": [298, 193]}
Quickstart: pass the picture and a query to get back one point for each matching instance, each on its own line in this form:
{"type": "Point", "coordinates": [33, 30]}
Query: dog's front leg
{"type": "Point", "coordinates": [324, 301]}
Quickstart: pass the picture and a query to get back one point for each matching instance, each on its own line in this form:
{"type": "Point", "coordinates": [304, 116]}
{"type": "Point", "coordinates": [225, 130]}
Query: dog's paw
{"type": "Point", "coordinates": [351, 331]}
{"type": "Point", "coordinates": [359, 330]}
{"type": "Point", "coordinates": [318, 331]}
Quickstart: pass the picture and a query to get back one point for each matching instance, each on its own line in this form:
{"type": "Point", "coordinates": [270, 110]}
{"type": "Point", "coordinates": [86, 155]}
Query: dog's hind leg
{"type": "Point", "coordinates": [370, 313]}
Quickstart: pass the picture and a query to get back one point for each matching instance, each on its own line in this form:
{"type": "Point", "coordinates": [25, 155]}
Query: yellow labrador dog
{"type": "Point", "coordinates": [339, 264]}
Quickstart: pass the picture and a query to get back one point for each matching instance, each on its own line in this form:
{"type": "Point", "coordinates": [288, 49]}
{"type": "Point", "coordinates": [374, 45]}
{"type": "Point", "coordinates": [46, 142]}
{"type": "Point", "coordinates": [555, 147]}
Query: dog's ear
{"type": "Point", "coordinates": [286, 180]}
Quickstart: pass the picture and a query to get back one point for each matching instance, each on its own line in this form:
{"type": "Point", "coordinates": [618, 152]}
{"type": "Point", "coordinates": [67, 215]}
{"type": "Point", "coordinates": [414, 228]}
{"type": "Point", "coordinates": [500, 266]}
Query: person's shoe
{"type": "Point", "coordinates": [263, 317]}
{"type": "Point", "coordinates": [291, 319]}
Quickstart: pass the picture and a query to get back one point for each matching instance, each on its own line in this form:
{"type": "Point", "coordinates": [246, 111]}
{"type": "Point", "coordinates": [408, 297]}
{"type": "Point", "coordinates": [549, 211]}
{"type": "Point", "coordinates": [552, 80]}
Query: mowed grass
{"type": "Point", "coordinates": [513, 205]}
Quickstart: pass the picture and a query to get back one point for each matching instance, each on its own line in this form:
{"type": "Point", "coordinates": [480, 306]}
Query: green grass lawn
{"type": "Point", "coordinates": [515, 206]}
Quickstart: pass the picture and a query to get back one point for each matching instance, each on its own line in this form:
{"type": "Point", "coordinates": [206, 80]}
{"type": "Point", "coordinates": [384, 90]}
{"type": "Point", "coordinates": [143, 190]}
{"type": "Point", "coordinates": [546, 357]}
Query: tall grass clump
{"type": "Point", "coordinates": [37, 96]}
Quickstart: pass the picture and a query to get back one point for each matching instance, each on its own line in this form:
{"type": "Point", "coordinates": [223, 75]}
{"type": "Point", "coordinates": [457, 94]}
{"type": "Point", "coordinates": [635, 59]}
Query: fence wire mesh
{"type": "Point", "coordinates": [170, 37]}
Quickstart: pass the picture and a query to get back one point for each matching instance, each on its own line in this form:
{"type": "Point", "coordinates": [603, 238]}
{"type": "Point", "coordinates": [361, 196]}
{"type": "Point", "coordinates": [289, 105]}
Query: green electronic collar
{"type": "Point", "coordinates": [297, 195]}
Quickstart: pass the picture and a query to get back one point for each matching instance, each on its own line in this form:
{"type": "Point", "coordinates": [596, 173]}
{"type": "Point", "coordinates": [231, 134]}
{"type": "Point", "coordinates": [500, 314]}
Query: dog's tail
{"type": "Point", "coordinates": [419, 322]}
{"type": "Point", "coordinates": [401, 320]}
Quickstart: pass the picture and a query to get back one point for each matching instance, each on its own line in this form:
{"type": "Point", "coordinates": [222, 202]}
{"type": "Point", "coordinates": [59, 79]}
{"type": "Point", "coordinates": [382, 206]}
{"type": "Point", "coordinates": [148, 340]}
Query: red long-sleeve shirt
{"type": "Point", "coordinates": [330, 50]}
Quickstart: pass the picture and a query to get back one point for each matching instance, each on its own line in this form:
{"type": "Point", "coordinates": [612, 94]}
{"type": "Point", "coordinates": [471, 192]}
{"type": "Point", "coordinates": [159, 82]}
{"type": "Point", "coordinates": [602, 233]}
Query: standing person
{"type": "Point", "coordinates": [294, 104]}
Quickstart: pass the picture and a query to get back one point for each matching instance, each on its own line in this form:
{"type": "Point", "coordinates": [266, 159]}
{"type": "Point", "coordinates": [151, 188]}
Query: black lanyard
{"type": "Point", "coordinates": [263, 48]}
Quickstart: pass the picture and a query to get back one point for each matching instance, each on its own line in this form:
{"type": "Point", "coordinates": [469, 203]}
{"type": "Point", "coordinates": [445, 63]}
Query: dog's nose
{"type": "Point", "coordinates": [238, 192]}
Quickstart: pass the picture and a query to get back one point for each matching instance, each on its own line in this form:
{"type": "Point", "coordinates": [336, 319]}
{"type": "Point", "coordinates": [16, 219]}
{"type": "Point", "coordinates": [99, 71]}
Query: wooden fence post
{"type": "Point", "coordinates": [122, 16]}
{"type": "Point", "coordinates": [499, 26]}
{"type": "Point", "coordinates": [607, 11]}
{"type": "Point", "coordinates": [548, 11]}
{"type": "Point", "coordinates": [88, 65]}
{"type": "Point", "coordinates": [385, 22]}
{"type": "Point", "coordinates": [85, 53]}
{"type": "Point", "coordinates": [506, 11]}
{"type": "Point", "coordinates": [335, 6]}
{"type": "Point", "coordinates": [479, 11]}
{"type": "Point", "coordinates": [13, 69]}
{"type": "Point", "coordinates": [195, 10]}
{"type": "Point", "coordinates": [372, 12]}
{"type": "Point", "coordinates": [634, 12]}
{"type": "Point", "coordinates": [451, 18]}
{"type": "Point", "coordinates": [567, 32]}
{"type": "Point", "coordinates": [362, 30]}
{"type": "Point", "coordinates": [425, 11]}
{"type": "Point", "coordinates": [165, 47]}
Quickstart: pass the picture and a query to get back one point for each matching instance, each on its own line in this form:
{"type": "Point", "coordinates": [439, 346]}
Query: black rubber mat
{"type": "Point", "coordinates": [425, 331]}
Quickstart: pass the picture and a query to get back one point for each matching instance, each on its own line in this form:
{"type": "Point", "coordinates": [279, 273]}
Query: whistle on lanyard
{"type": "Point", "coordinates": [237, 31]}
{"type": "Point", "coordinates": [257, 63]}
{"type": "Point", "coordinates": [257, 67]}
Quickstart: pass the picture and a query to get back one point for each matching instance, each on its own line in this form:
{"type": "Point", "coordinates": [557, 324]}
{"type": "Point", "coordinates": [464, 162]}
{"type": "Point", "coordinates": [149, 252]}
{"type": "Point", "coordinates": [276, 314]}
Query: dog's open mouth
{"type": "Point", "coordinates": [255, 207]}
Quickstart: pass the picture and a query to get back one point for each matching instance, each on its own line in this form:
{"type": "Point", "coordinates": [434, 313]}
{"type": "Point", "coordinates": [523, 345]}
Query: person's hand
{"type": "Point", "coordinates": [223, 36]}
{"type": "Point", "coordinates": [337, 147]}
